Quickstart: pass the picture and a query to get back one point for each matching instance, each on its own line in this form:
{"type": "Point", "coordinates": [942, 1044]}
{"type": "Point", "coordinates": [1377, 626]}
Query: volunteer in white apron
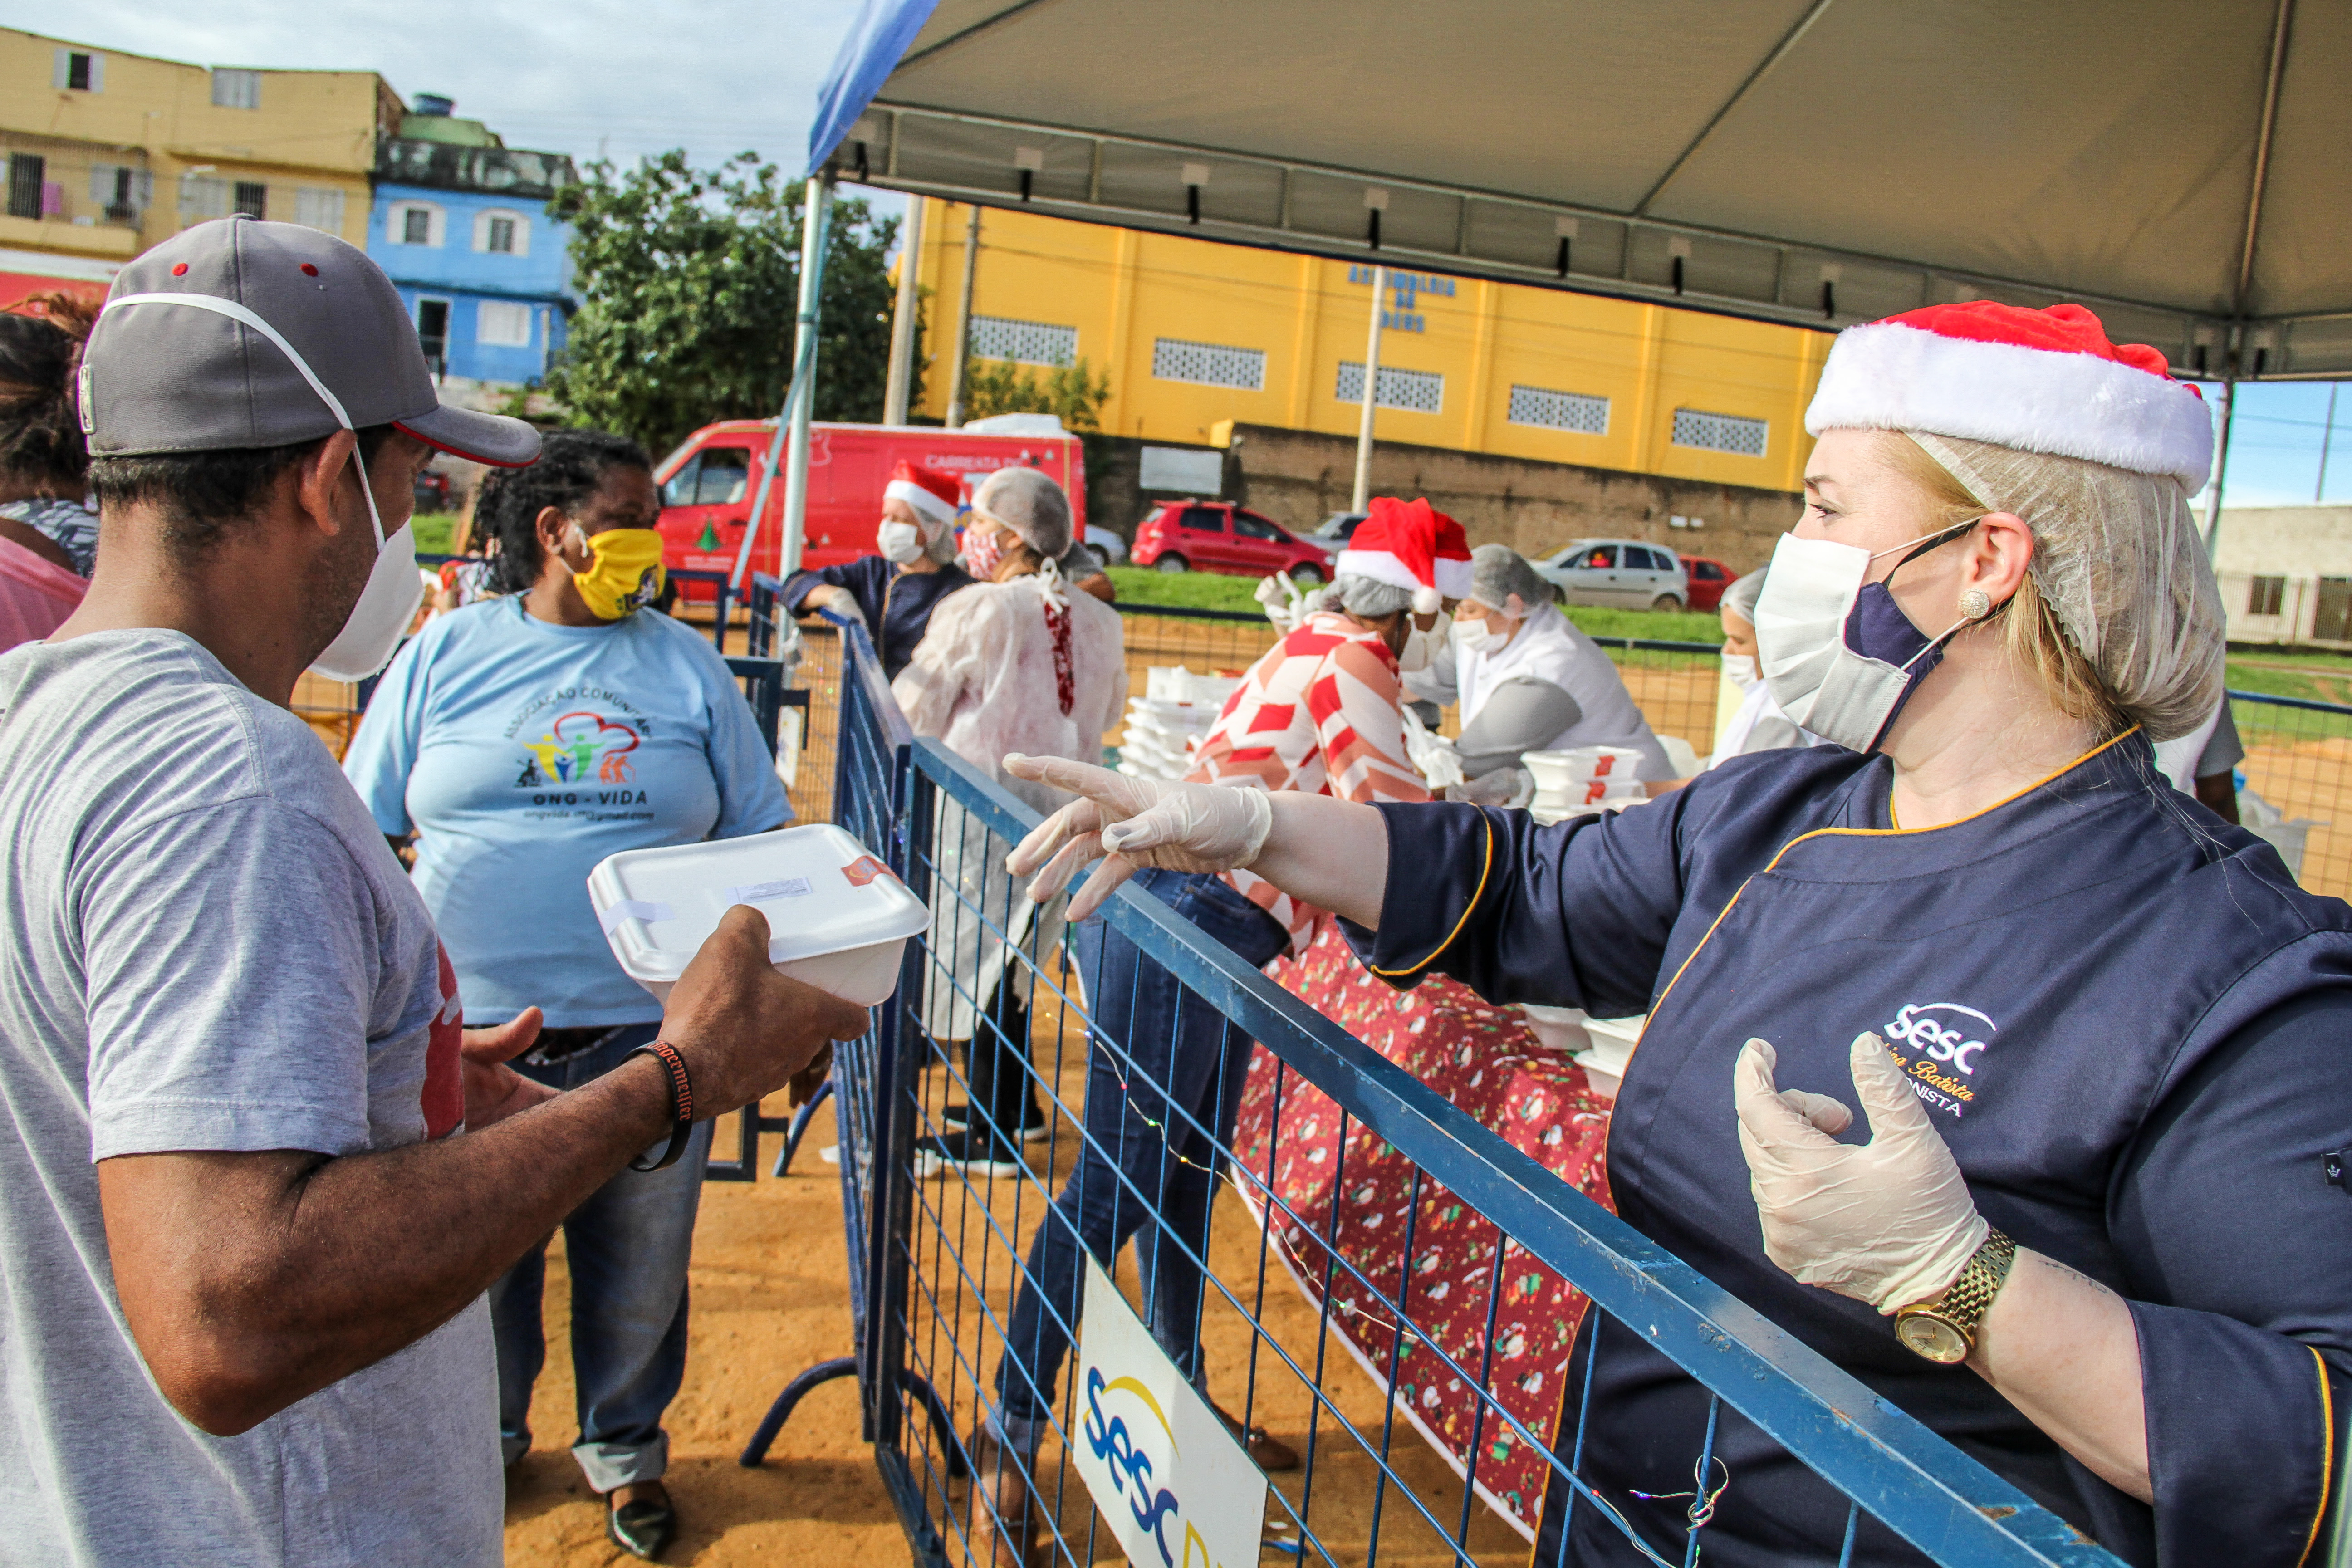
{"type": "Point", "coordinates": [2095, 1231]}
{"type": "Point", "coordinates": [1530, 681]}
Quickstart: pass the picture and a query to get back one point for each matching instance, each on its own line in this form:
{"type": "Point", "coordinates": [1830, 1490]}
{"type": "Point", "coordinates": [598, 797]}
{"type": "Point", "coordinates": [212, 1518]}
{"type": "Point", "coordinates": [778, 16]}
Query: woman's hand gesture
{"type": "Point", "coordinates": [1136, 823]}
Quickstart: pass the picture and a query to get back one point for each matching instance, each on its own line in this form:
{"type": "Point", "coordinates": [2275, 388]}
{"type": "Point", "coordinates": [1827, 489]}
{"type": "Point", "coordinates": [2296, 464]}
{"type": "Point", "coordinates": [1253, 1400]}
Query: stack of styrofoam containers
{"type": "Point", "coordinates": [1602, 1047]}
{"type": "Point", "coordinates": [1165, 725]}
{"type": "Point", "coordinates": [1583, 779]}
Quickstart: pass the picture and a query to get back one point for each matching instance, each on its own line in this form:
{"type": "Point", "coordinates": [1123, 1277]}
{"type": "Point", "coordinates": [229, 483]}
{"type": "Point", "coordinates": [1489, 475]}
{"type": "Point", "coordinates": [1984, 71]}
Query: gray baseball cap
{"type": "Point", "coordinates": [160, 376]}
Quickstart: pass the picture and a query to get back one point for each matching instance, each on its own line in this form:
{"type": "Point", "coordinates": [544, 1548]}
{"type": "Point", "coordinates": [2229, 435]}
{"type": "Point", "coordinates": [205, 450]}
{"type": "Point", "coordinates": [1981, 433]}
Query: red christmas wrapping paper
{"type": "Point", "coordinates": [1485, 1062]}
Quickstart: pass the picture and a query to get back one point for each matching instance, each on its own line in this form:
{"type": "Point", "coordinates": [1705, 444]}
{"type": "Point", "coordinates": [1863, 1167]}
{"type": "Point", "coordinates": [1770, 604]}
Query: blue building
{"type": "Point", "coordinates": [460, 223]}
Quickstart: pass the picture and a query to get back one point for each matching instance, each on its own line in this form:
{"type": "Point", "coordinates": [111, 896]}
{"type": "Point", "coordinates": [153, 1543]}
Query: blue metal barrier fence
{"type": "Point", "coordinates": [978, 1443]}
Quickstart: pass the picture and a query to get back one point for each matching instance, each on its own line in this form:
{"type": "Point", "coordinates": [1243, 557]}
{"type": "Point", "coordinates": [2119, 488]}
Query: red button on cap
{"type": "Point", "coordinates": [179, 269]}
{"type": "Point", "coordinates": [310, 269]}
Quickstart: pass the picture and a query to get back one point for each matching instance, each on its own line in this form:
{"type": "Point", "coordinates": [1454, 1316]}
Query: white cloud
{"type": "Point", "coordinates": [627, 78]}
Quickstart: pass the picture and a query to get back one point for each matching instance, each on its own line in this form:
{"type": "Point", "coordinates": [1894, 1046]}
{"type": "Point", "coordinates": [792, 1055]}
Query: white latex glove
{"type": "Point", "coordinates": [1500, 787]}
{"type": "Point", "coordinates": [1890, 1223]}
{"type": "Point", "coordinates": [844, 605]}
{"type": "Point", "coordinates": [1137, 822]}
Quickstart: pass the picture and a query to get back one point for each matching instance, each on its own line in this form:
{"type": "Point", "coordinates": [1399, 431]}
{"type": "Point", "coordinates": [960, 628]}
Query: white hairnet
{"type": "Point", "coordinates": [1369, 596]}
{"type": "Point", "coordinates": [1497, 572]}
{"type": "Point", "coordinates": [2118, 558]}
{"type": "Point", "coordinates": [1740, 599]}
{"type": "Point", "coordinates": [1029, 503]}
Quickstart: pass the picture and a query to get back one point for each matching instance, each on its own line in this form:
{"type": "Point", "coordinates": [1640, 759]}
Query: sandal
{"type": "Point", "coordinates": [641, 1528]}
{"type": "Point", "coordinates": [1270, 1453]}
{"type": "Point", "coordinates": [1004, 1525]}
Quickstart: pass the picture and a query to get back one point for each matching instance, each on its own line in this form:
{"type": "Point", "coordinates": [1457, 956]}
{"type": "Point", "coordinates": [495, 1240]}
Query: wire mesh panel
{"type": "Point", "coordinates": [2299, 760]}
{"type": "Point", "coordinates": [1378, 1286]}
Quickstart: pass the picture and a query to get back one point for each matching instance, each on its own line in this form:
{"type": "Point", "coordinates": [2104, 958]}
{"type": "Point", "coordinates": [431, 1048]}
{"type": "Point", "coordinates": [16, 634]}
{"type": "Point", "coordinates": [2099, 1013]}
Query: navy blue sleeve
{"type": "Point", "coordinates": [2225, 1212]}
{"type": "Point", "coordinates": [1578, 914]}
{"type": "Point", "coordinates": [859, 576]}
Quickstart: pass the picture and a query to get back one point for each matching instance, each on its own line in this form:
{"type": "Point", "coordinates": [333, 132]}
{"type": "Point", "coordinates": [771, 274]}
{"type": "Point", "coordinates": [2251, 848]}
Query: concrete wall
{"type": "Point", "coordinates": [1300, 477]}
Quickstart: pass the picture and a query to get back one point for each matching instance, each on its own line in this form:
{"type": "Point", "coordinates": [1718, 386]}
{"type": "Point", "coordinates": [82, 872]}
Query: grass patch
{"type": "Point", "coordinates": [1218, 591]}
{"type": "Point", "coordinates": [434, 531]}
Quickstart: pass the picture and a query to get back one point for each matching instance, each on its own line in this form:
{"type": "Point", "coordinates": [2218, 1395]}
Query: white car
{"type": "Point", "coordinates": [1625, 573]}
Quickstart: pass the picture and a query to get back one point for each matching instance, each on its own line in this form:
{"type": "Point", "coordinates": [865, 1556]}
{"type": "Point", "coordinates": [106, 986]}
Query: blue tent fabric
{"type": "Point", "coordinates": [880, 35]}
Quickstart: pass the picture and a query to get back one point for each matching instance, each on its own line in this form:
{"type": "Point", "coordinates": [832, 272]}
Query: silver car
{"type": "Point", "coordinates": [1625, 573]}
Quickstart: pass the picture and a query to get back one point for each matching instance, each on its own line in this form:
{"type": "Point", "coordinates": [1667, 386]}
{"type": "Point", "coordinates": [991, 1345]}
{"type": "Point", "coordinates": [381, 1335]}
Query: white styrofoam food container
{"type": "Point", "coordinates": [837, 918]}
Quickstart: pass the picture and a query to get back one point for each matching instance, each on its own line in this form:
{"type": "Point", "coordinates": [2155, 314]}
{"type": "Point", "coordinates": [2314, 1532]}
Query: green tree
{"type": "Point", "coordinates": [690, 280]}
{"type": "Point", "coordinates": [1002, 386]}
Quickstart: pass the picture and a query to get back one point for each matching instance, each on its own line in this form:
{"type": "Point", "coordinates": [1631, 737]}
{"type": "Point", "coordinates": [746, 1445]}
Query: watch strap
{"type": "Point", "coordinates": [1964, 1304]}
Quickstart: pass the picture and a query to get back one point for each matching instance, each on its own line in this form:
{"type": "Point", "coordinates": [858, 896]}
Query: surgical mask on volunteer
{"type": "Point", "coordinates": [1422, 648]}
{"type": "Point", "coordinates": [1740, 669]}
{"type": "Point", "coordinates": [1839, 654]}
{"type": "Point", "coordinates": [901, 544]}
{"type": "Point", "coordinates": [624, 573]}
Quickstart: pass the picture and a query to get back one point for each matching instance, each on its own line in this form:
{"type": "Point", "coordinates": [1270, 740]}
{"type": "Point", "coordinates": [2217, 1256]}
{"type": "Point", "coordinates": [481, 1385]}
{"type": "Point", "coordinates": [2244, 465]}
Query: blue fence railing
{"type": "Point", "coordinates": [981, 1447]}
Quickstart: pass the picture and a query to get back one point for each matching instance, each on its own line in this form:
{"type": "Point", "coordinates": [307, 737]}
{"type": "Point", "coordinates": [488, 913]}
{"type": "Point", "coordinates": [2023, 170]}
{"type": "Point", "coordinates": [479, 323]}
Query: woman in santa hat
{"type": "Point", "coordinates": [895, 593]}
{"type": "Point", "coordinates": [1980, 1059]}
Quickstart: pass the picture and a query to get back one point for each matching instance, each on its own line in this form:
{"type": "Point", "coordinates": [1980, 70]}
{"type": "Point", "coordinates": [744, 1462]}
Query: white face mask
{"type": "Point", "coordinates": [900, 543]}
{"type": "Point", "coordinates": [1422, 648]}
{"type": "Point", "coordinates": [387, 605]}
{"type": "Point", "coordinates": [1740, 669]}
{"type": "Point", "coordinates": [1476, 636]}
{"type": "Point", "coordinates": [1839, 655]}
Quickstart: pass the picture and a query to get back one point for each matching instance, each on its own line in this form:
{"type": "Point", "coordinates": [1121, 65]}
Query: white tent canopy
{"type": "Point", "coordinates": [2179, 166]}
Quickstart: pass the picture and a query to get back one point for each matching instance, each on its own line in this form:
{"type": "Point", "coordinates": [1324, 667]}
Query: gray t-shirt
{"type": "Point", "coordinates": [209, 947]}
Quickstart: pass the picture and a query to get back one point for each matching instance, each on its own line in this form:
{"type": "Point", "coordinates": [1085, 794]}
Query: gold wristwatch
{"type": "Point", "coordinates": [1945, 1330]}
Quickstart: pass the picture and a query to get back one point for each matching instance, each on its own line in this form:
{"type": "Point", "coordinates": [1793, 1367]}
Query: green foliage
{"type": "Point", "coordinates": [689, 282]}
{"type": "Point", "coordinates": [1216, 590]}
{"type": "Point", "coordinates": [1002, 386]}
{"type": "Point", "coordinates": [432, 531]}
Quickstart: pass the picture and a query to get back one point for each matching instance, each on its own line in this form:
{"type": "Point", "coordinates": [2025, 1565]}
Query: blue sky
{"type": "Point", "coordinates": [719, 77]}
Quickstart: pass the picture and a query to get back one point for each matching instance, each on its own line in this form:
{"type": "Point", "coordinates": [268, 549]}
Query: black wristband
{"type": "Point", "coordinates": [681, 1103]}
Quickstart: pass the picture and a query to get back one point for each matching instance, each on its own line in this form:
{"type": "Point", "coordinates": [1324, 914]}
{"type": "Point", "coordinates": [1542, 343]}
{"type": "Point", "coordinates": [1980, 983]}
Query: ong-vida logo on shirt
{"type": "Point", "coordinates": [1944, 1055]}
{"type": "Point", "coordinates": [580, 748]}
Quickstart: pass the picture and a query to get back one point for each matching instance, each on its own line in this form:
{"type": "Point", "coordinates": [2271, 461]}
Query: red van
{"type": "Point", "coordinates": [707, 485]}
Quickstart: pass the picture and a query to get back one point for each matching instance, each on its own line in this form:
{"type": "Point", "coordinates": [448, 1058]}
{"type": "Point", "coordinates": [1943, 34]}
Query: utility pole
{"type": "Point", "coordinates": [904, 316]}
{"type": "Point", "coordinates": [2221, 465]}
{"type": "Point", "coordinates": [963, 323]}
{"type": "Point", "coordinates": [1371, 396]}
{"type": "Point", "coordinates": [2319, 490]}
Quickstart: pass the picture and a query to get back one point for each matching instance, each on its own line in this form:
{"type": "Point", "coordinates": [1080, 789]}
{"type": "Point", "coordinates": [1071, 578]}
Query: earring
{"type": "Point", "coordinates": [1975, 606]}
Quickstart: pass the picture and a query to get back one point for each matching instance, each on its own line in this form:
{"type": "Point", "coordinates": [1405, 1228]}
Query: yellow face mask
{"type": "Point", "coordinates": [624, 571]}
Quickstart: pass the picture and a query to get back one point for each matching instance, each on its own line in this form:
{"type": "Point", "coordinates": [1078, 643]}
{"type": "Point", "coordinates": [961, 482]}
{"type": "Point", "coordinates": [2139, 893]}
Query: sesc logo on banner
{"type": "Point", "coordinates": [1176, 1488]}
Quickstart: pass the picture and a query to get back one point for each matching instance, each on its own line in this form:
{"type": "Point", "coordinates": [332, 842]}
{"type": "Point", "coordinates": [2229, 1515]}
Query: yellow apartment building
{"type": "Point", "coordinates": [1193, 333]}
{"type": "Point", "coordinates": [109, 153]}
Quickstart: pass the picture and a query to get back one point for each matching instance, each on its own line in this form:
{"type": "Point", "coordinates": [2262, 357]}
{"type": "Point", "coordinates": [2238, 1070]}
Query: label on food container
{"type": "Point", "coordinates": [865, 869]}
{"type": "Point", "coordinates": [610, 917]}
{"type": "Point", "coordinates": [752, 892]}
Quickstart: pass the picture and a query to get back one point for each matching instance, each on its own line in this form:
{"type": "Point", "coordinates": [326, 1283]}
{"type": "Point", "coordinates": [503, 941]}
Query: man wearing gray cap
{"type": "Point", "coordinates": [243, 1257]}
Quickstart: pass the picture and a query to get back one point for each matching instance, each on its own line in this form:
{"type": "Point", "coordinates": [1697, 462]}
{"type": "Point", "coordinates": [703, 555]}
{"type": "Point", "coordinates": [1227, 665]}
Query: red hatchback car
{"type": "Point", "coordinates": [1219, 536]}
{"type": "Point", "coordinates": [1709, 579]}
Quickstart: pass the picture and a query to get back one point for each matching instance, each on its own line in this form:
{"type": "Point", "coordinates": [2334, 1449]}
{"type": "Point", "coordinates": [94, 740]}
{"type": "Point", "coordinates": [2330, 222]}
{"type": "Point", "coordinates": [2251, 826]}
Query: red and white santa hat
{"type": "Point", "coordinates": [2035, 381]}
{"type": "Point", "coordinates": [933, 496]}
{"type": "Point", "coordinates": [1410, 544]}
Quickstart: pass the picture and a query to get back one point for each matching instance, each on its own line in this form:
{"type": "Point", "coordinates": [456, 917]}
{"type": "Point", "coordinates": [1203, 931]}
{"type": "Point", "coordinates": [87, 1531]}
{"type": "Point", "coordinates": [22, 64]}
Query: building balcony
{"type": "Point", "coordinates": [492, 171]}
{"type": "Point", "coordinates": [81, 238]}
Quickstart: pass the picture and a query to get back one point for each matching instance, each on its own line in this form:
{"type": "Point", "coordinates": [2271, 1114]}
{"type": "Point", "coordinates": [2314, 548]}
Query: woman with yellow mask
{"type": "Point", "coordinates": [520, 740]}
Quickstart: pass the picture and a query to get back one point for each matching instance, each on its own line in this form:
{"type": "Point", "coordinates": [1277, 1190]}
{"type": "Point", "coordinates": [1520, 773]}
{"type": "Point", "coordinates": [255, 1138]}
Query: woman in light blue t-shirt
{"type": "Point", "coordinates": [520, 741]}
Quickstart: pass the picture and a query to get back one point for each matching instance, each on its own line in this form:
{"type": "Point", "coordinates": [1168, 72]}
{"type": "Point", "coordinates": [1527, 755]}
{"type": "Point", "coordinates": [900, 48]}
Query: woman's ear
{"type": "Point", "coordinates": [1999, 552]}
{"type": "Point", "coordinates": [550, 524]}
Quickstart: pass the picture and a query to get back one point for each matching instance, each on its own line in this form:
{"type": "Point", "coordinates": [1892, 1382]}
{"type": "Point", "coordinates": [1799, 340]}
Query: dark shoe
{"type": "Point", "coordinates": [1270, 1453]}
{"type": "Point", "coordinates": [973, 1153]}
{"type": "Point", "coordinates": [1037, 1130]}
{"type": "Point", "coordinates": [642, 1528]}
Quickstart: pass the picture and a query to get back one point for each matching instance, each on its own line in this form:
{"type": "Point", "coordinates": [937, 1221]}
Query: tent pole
{"type": "Point", "coordinates": [791, 416]}
{"type": "Point", "coordinates": [817, 210]}
{"type": "Point", "coordinates": [1363, 490]}
{"type": "Point", "coordinates": [903, 316]}
{"type": "Point", "coordinates": [2220, 472]}
{"type": "Point", "coordinates": [956, 385]}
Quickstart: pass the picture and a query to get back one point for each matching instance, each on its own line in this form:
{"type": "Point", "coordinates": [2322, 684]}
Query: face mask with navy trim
{"type": "Point", "coordinates": [1839, 655]}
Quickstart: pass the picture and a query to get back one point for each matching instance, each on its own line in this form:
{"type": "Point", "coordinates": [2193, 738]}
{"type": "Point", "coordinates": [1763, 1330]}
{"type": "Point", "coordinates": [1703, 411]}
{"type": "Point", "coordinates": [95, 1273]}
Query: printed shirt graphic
{"type": "Point", "coordinates": [521, 754]}
{"type": "Point", "coordinates": [1320, 712]}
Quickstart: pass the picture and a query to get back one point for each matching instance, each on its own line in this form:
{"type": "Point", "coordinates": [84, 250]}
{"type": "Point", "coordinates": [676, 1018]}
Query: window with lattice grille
{"type": "Point", "coordinates": [1420, 391]}
{"type": "Point", "coordinates": [1585, 414]}
{"type": "Point", "coordinates": [1207, 364]}
{"type": "Point", "coordinates": [1720, 433]}
{"type": "Point", "coordinates": [1029, 342]}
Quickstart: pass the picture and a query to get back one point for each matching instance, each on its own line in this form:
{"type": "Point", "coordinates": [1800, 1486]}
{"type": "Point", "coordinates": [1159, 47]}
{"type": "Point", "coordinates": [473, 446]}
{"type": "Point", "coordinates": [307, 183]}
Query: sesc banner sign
{"type": "Point", "coordinates": [1176, 1488]}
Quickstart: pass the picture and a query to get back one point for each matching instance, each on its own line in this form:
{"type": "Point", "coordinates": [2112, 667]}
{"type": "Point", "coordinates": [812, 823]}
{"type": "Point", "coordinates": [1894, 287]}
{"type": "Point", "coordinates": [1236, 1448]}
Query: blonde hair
{"type": "Point", "coordinates": [2032, 636]}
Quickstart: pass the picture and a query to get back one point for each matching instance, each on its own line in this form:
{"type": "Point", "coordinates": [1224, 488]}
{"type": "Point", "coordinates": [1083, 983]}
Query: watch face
{"type": "Point", "coordinates": [1933, 1338]}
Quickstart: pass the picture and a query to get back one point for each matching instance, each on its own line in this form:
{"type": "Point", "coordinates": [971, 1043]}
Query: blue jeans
{"type": "Point", "coordinates": [1187, 1062]}
{"type": "Point", "coordinates": [628, 1247]}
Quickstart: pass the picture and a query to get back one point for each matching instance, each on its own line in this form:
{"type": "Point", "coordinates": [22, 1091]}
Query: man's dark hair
{"type": "Point", "coordinates": [203, 495]}
{"type": "Point", "coordinates": [40, 423]}
{"type": "Point", "coordinates": [571, 467]}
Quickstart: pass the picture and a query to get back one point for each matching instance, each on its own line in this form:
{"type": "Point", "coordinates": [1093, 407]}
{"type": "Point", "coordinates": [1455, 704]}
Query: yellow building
{"type": "Point", "coordinates": [107, 153]}
{"type": "Point", "coordinates": [1193, 333]}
